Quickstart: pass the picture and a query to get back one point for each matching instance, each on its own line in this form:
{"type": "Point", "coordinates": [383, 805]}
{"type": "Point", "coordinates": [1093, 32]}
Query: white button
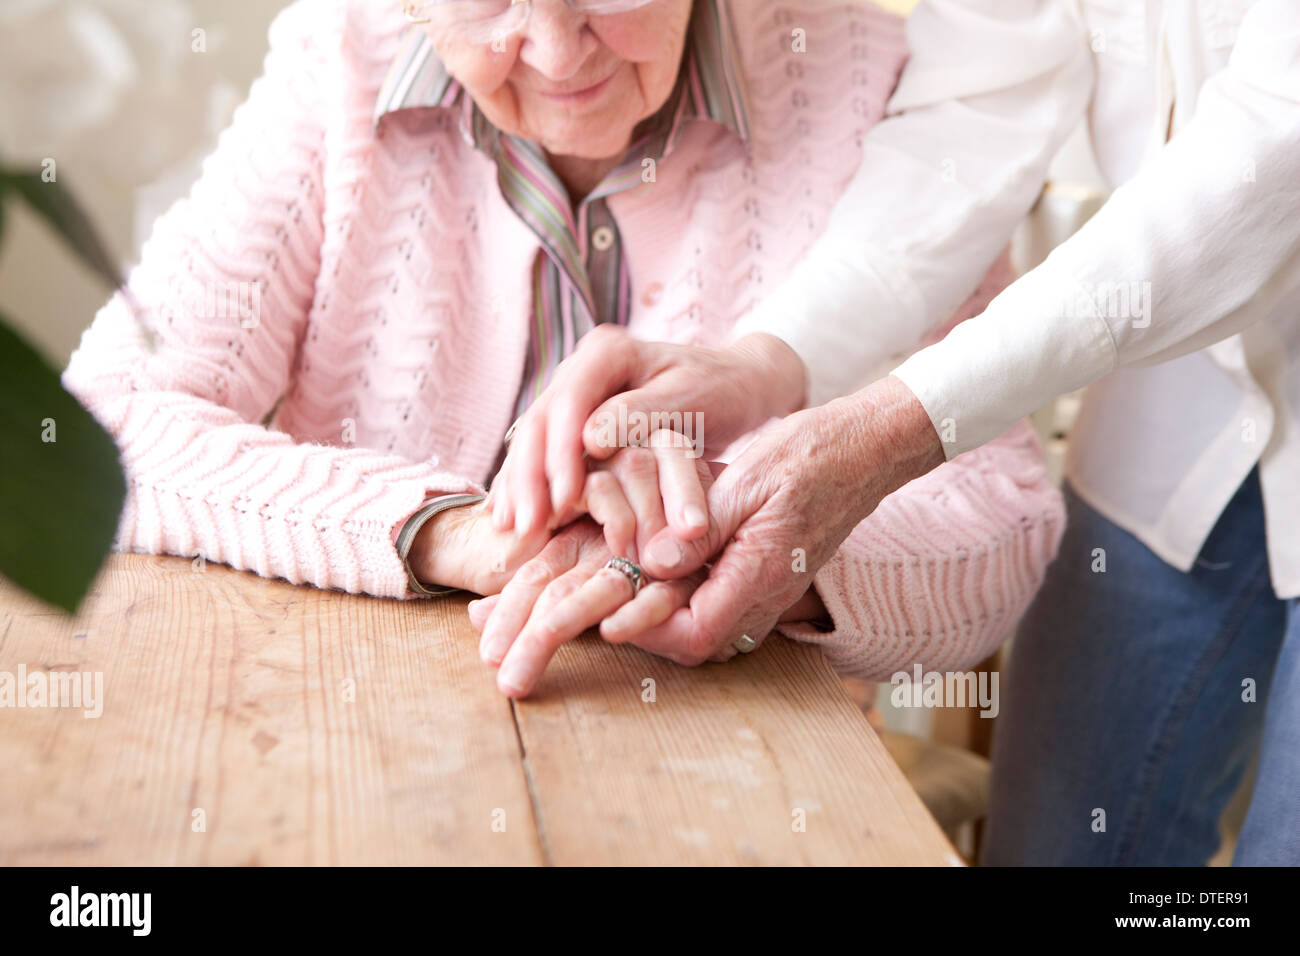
{"type": "Point", "coordinates": [602, 238]}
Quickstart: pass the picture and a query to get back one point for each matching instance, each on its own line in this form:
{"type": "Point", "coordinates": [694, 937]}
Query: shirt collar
{"type": "Point", "coordinates": [711, 78]}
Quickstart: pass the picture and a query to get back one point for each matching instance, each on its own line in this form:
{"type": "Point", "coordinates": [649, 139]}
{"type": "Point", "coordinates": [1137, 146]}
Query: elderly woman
{"type": "Point", "coordinates": [411, 224]}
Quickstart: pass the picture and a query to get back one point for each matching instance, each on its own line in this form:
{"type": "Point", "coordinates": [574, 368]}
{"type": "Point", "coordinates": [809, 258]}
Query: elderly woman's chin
{"type": "Point", "coordinates": [593, 121]}
{"type": "Point", "coordinates": [591, 141]}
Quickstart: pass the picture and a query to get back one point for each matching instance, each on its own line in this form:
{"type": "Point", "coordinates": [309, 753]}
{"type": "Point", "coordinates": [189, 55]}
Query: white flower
{"type": "Point", "coordinates": [113, 83]}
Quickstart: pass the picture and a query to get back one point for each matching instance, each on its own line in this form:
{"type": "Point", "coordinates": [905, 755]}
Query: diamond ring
{"type": "Point", "coordinates": [630, 570]}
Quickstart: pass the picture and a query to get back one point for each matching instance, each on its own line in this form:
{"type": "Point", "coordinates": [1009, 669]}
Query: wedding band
{"type": "Point", "coordinates": [745, 644]}
{"type": "Point", "coordinates": [510, 432]}
{"type": "Point", "coordinates": [630, 570]}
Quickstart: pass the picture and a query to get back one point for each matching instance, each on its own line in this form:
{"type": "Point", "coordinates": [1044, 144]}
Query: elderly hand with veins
{"type": "Point", "coordinates": [568, 588]}
{"type": "Point", "coordinates": [802, 486]}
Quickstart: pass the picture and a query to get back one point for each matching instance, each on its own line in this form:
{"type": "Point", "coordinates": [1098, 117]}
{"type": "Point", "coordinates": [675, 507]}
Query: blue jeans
{"type": "Point", "coordinates": [1123, 730]}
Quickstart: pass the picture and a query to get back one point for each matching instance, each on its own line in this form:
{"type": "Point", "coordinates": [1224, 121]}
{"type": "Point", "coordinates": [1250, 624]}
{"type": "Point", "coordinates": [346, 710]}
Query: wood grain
{"type": "Point", "coordinates": [314, 727]}
{"type": "Point", "coordinates": [226, 693]}
{"type": "Point", "coordinates": [762, 760]}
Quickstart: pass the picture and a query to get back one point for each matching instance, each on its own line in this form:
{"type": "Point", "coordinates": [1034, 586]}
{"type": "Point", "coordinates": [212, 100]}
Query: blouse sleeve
{"type": "Point", "coordinates": [991, 91]}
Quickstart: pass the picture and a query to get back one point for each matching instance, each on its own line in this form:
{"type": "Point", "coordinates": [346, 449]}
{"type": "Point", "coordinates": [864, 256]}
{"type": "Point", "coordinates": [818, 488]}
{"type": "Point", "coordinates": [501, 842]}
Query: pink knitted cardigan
{"type": "Point", "coordinates": [364, 292]}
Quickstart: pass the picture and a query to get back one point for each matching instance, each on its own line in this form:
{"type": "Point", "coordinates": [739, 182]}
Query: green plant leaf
{"type": "Point", "coordinates": [55, 203]}
{"type": "Point", "coordinates": [60, 499]}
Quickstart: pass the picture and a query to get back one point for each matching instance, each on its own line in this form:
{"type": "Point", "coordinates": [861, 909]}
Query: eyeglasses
{"type": "Point", "coordinates": [487, 21]}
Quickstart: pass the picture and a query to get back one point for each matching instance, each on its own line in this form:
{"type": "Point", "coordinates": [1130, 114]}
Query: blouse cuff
{"type": "Point", "coordinates": [406, 537]}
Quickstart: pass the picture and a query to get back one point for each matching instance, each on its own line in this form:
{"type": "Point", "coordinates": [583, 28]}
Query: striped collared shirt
{"type": "Point", "coordinates": [580, 276]}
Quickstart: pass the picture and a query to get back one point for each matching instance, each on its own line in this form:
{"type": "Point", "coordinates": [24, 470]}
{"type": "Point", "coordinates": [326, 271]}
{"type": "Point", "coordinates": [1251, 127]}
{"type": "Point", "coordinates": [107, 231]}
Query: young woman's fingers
{"type": "Point", "coordinates": [564, 463]}
{"type": "Point", "coordinates": [683, 484]}
{"type": "Point", "coordinates": [607, 361]}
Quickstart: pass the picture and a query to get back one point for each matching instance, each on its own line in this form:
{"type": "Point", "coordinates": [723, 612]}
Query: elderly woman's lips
{"type": "Point", "coordinates": [577, 96]}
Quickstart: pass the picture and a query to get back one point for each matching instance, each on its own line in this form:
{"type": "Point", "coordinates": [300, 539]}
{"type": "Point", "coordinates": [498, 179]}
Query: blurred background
{"type": "Point", "coordinates": [126, 96]}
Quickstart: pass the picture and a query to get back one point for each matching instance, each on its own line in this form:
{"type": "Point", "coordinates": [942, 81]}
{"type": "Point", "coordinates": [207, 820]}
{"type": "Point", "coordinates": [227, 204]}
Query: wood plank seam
{"type": "Point", "coordinates": [548, 859]}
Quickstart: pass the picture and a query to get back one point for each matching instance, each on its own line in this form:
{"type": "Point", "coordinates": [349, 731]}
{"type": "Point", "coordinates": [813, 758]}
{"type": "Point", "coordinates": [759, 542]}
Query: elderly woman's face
{"type": "Point", "coordinates": [576, 83]}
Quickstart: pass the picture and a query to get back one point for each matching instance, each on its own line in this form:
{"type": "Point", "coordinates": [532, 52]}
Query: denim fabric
{"type": "Point", "coordinates": [1125, 696]}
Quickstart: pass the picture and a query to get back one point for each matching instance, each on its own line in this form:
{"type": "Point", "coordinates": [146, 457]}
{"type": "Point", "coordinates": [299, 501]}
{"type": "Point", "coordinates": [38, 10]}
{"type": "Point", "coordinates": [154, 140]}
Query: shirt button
{"type": "Point", "coordinates": [602, 238]}
{"type": "Point", "coordinates": [653, 293]}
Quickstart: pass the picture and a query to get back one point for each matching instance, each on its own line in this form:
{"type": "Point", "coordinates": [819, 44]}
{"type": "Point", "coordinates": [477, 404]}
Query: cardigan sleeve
{"type": "Point", "coordinates": [940, 573]}
{"type": "Point", "coordinates": [224, 285]}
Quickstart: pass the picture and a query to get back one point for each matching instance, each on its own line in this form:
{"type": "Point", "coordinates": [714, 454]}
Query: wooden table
{"type": "Point", "coordinates": [247, 721]}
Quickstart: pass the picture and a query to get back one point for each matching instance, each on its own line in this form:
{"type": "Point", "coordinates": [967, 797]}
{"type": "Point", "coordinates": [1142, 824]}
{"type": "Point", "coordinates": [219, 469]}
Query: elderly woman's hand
{"type": "Point", "coordinates": [796, 493]}
{"type": "Point", "coordinates": [644, 489]}
{"type": "Point", "coordinates": [460, 548]}
{"type": "Point", "coordinates": [632, 496]}
{"type": "Point", "coordinates": [557, 596]}
{"type": "Point", "coordinates": [613, 384]}
{"type": "Point", "coordinates": [568, 589]}
{"type": "Point", "coordinates": [629, 499]}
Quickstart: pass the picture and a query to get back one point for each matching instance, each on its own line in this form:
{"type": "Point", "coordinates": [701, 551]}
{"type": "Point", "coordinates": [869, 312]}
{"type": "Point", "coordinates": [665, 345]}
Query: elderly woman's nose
{"type": "Point", "coordinates": [557, 42]}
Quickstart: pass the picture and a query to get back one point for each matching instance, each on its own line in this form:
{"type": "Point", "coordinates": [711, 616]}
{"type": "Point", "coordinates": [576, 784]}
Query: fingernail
{"type": "Point", "coordinates": [511, 679]}
{"type": "Point", "coordinates": [524, 519]}
{"type": "Point", "coordinates": [665, 552]}
{"type": "Point", "coordinates": [695, 516]}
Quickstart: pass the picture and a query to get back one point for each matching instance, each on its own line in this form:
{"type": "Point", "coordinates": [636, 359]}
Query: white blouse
{"type": "Point", "coordinates": [1180, 298]}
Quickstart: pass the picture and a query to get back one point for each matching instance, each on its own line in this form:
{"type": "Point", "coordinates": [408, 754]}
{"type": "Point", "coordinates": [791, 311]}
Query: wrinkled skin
{"type": "Point", "coordinates": [803, 486]}
{"type": "Point", "coordinates": [612, 375]}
